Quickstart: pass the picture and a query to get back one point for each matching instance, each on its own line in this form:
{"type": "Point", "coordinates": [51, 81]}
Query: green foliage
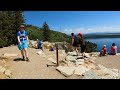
{"type": "Point", "coordinates": [9, 25]}
{"type": "Point", "coordinates": [90, 47]}
{"type": "Point", "coordinates": [46, 32]}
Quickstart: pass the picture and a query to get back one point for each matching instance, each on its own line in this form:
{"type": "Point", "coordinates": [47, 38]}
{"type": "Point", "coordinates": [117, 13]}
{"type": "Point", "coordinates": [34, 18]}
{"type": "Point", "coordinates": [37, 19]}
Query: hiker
{"type": "Point", "coordinates": [52, 48]}
{"type": "Point", "coordinates": [39, 45]}
{"type": "Point", "coordinates": [22, 37]}
{"type": "Point", "coordinates": [82, 44]}
{"type": "Point", "coordinates": [113, 50]}
{"type": "Point", "coordinates": [74, 43]}
{"type": "Point", "coordinates": [103, 51]}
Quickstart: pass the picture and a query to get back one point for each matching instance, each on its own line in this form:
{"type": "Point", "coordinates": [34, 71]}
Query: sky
{"type": "Point", "coordinates": [76, 21]}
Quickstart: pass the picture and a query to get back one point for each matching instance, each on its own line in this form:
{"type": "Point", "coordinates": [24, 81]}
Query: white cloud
{"type": "Point", "coordinates": [92, 30]}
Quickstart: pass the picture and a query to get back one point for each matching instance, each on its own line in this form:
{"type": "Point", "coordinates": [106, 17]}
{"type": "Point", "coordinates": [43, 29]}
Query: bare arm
{"type": "Point", "coordinates": [27, 38]}
{"type": "Point", "coordinates": [18, 37]}
{"type": "Point", "coordinates": [72, 40]}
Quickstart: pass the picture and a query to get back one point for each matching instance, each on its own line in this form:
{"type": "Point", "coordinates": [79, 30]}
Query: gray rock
{"type": "Point", "coordinates": [52, 60]}
{"type": "Point", "coordinates": [80, 70]}
{"type": "Point", "coordinates": [87, 55]}
{"type": "Point", "coordinates": [8, 73]}
{"type": "Point", "coordinates": [91, 75]}
{"type": "Point", "coordinates": [2, 69]}
{"type": "Point", "coordinates": [71, 58]}
{"type": "Point", "coordinates": [67, 71]}
{"type": "Point", "coordinates": [72, 53]}
{"type": "Point", "coordinates": [79, 61]}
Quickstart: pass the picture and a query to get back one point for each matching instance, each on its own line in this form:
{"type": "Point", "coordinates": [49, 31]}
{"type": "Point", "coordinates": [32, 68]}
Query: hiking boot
{"type": "Point", "coordinates": [27, 59]}
{"type": "Point", "coordinates": [23, 58]}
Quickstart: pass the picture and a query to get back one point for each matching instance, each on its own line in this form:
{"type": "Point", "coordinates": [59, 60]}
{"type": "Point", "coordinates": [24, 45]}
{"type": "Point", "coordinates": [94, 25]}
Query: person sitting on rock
{"type": "Point", "coordinates": [113, 49]}
{"type": "Point", "coordinates": [103, 51]}
{"type": "Point", "coordinates": [39, 45]}
{"type": "Point", "coordinates": [51, 48]}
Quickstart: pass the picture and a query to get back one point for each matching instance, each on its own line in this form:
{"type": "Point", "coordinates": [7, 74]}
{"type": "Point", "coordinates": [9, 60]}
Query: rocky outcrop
{"type": "Point", "coordinates": [4, 73]}
{"type": "Point", "coordinates": [86, 67]}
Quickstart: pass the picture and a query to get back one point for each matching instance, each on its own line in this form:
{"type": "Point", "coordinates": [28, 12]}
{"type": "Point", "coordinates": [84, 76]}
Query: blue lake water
{"type": "Point", "coordinates": [105, 41]}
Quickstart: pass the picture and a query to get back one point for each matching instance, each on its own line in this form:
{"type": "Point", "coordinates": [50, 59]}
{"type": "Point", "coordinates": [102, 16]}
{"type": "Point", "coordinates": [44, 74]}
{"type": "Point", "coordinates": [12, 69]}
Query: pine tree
{"type": "Point", "coordinates": [18, 20]}
{"type": "Point", "coordinates": [9, 24]}
{"type": "Point", "coordinates": [46, 32]}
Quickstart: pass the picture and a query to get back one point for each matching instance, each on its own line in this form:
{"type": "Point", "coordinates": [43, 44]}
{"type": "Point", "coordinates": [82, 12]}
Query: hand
{"type": "Point", "coordinates": [20, 43]}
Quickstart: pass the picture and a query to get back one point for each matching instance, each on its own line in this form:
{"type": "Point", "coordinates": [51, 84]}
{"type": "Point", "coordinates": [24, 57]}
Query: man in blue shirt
{"type": "Point", "coordinates": [22, 37]}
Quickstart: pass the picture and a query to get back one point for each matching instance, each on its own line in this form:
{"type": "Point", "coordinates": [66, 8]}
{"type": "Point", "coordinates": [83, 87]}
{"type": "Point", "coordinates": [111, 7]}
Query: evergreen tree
{"type": "Point", "coordinates": [46, 32]}
{"type": "Point", "coordinates": [18, 20]}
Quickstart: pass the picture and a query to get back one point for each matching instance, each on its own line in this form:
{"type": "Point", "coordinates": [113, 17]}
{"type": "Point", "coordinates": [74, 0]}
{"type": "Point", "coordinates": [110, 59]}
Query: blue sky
{"type": "Point", "coordinates": [76, 21]}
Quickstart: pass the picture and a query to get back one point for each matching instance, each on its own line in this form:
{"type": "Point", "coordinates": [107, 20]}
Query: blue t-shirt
{"type": "Point", "coordinates": [22, 35]}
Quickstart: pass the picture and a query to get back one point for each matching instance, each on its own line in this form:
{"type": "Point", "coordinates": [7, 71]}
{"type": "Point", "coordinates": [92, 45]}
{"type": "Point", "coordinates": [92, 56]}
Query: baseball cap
{"type": "Point", "coordinates": [21, 25]}
{"type": "Point", "coordinates": [80, 34]}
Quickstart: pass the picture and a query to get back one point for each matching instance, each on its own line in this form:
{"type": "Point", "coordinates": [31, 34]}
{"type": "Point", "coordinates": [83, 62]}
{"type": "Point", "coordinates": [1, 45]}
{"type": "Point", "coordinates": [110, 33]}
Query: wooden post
{"type": "Point", "coordinates": [57, 54]}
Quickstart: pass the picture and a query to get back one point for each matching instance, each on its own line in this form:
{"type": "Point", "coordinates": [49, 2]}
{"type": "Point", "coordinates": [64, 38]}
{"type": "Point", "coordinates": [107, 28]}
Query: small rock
{"type": "Point", "coordinates": [2, 69]}
{"type": "Point", "coordinates": [70, 58]}
{"type": "Point", "coordinates": [87, 55]}
{"type": "Point", "coordinates": [67, 71]}
{"type": "Point", "coordinates": [70, 64]}
{"type": "Point", "coordinates": [9, 55]}
{"type": "Point", "coordinates": [52, 60]}
{"type": "Point", "coordinates": [91, 75]}
{"type": "Point", "coordinates": [80, 70]}
{"type": "Point", "coordinates": [8, 73]}
{"type": "Point", "coordinates": [80, 62]}
{"type": "Point", "coordinates": [72, 53]}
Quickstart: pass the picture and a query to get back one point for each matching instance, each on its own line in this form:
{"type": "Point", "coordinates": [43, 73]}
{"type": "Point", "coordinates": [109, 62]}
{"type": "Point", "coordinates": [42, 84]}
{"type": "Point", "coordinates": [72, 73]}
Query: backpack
{"type": "Point", "coordinates": [77, 40]}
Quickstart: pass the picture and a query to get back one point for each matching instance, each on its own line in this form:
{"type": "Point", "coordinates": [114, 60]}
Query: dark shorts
{"type": "Point", "coordinates": [75, 45]}
{"type": "Point", "coordinates": [83, 47]}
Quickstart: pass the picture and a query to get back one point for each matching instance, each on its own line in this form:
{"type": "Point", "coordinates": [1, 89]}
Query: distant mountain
{"type": "Point", "coordinates": [102, 35]}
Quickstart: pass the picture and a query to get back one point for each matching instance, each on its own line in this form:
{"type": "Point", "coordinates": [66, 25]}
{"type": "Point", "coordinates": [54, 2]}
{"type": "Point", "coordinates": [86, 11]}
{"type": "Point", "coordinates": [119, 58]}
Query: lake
{"type": "Point", "coordinates": [105, 41]}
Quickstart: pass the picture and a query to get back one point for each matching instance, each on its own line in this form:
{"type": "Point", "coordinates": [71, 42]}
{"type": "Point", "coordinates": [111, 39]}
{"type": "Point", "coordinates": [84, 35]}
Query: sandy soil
{"type": "Point", "coordinates": [112, 61]}
{"type": "Point", "coordinates": [36, 68]}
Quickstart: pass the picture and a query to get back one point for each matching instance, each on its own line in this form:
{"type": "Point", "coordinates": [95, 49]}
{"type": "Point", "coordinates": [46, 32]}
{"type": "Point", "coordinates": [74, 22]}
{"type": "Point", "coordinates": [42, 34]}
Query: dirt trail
{"type": "Point", "coordinates": [36, 68]}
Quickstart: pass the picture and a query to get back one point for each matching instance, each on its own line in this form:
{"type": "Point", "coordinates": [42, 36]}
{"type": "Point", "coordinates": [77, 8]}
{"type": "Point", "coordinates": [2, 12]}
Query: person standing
{"type": "Point", "coordinates": [82, 44]}
{"type": "Point", "coordinates": [74, 43]}
{"type": "Point", "coordinates": [22, 37]}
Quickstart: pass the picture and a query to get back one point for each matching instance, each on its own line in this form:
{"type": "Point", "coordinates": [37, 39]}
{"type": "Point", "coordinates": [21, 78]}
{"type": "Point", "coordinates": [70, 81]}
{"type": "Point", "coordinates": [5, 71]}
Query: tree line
{"type": "Point", "coordinates": [9, 25]}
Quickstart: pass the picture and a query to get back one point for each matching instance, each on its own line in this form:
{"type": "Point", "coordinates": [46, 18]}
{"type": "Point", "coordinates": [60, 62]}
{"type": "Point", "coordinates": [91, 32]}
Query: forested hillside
{"type": "Point", "coordinates": [9, 25]}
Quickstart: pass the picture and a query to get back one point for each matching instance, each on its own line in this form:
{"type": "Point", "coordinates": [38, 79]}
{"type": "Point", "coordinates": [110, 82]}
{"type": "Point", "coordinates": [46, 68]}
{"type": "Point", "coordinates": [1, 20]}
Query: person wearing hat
{"type": "Point", "coordinates": [82, 44]}
{"type": "Point", "coordinates": [22, 38]}
{"type": "Point", "coordinates": [103, 51]}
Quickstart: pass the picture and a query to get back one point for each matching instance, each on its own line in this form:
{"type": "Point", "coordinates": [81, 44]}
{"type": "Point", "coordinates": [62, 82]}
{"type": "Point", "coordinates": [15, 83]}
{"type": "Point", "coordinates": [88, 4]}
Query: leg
{"type": "Point", "coordinates": [76, 50]}
{"type": "Point", "coordinates": [26, 53]}
{"type": "Point", "coordinates": [22, 53]}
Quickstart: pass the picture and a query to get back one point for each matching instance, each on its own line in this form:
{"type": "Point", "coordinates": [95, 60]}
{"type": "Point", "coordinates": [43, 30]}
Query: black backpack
{"type": "Point", "coordinates": [77, 40]}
